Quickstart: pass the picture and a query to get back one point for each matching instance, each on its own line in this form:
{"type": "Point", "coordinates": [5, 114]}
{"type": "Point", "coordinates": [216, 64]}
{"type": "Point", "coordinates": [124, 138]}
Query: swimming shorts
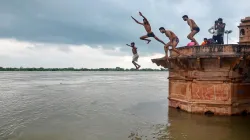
{"type": "Point", "coordinates": [135, 57]}
{"type": "Point", "coordinates": [197, 29]}
{"type": "Point", "coordinates": [151, 34]}
{"type": "Point", "coordinates": [175, 39]}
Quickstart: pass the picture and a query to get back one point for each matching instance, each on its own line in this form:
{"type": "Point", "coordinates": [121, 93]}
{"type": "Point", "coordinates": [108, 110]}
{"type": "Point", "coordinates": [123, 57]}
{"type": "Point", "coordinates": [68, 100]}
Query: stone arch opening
{"type": "Point", "coordinates": [244, 113]}
{"type": "Point", "coordinates": [209, 113]}
{"type": "Point", "coordinates": [242, 32]}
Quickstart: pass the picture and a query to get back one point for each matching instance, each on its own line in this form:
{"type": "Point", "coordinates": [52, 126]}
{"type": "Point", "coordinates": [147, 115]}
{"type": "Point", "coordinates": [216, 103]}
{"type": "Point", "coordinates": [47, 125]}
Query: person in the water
{"type": "Point", "coordinates": [147, 27]}
{"type": "Point", "coordinates": [135, 55]}
{"type": "Point", "coordinates": [173, 41]}
{"type": "Point", "coordinates": [193, 27]}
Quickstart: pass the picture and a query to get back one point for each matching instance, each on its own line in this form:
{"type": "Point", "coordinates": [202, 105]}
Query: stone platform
{"type": "Point", "coordinates": [213, 78]}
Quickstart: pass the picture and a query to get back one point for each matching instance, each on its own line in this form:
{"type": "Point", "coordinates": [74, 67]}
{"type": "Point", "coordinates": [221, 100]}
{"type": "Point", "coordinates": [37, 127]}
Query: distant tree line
{"type": "Point", "coordinates": [78, 69]}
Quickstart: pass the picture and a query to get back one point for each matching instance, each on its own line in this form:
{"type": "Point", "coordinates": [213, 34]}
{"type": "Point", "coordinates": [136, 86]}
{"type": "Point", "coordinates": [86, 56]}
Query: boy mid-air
{"type": "Point", "coordinates": [148, 29]}
{"type": "Point", "coordinates": [193, 27]}
{"type": "Point", "coordinates": [173, 41]}
{"type": "Point", "coordinates": [135, 55]}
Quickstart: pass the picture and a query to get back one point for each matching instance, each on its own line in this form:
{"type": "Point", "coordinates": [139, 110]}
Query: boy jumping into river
{"type": "Point", "coordinates": [148, 29]}
{"type": "Point", "coordinates": [174, 40]}
{"type": "Point", "coordinates": [135, 55]}
{"type": "Point", "coordinates": [193, 27]}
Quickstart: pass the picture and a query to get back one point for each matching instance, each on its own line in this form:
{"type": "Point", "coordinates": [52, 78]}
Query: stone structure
{"type": "Point", "coordinates": [214, 78]}
{"type": "Point", "coordinates": [245, 31]}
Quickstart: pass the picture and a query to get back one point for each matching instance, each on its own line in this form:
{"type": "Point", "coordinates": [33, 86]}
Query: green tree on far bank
{"type": "Point", "coordinates": [78, 69]}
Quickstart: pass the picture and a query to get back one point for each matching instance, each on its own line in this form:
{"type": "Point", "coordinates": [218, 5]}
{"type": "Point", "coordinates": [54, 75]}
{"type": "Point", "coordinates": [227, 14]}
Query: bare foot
{"type": "Point", "coordinates": [138, 67]}
{"type": "Point", "coordinates": [178, 55]}
{"type": "Point", "coordinates": [165, 58]}
{"type": "Point", "coordinates": [148, 41]}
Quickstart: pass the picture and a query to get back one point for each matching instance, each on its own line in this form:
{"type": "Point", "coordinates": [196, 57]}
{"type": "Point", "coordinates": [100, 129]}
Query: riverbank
{"type": "Point", "coordinates": [78, 69]}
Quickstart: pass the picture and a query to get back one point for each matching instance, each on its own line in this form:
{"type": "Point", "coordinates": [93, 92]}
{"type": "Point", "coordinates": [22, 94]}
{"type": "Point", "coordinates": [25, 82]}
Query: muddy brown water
{"type": "Point", "coordinates": [102, 106]}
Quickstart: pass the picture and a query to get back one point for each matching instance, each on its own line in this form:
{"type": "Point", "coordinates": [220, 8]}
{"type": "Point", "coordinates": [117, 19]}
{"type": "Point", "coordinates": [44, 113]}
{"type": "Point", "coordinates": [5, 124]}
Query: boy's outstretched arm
{"type": "Point", "coordinates": [136, 20]}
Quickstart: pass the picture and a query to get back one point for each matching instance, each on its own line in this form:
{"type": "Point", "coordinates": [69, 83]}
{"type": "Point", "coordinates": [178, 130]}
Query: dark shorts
{"type": "Point", "coordinates": [151, 34]}
{"type": "Point", "coordinates": [176, 39]}
{"type": "Point", "coordinates": [197, 29]}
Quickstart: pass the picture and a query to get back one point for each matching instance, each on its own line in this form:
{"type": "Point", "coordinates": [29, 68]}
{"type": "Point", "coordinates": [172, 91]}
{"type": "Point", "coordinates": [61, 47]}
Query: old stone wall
{"type": "Point", "coordinates": [212, 78]}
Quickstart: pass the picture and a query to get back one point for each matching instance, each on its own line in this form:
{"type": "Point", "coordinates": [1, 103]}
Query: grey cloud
{"type": "Point", "coordinates": [108, 22]}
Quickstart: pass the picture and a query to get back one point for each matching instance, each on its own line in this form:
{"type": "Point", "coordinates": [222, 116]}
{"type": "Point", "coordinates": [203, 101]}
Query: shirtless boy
{"type": "Point", "coordinates": [135, 55]}
{"type": "Point", "coordinates": [193, 27]}
{"type": "Point", "coordinates": [148, 29]}
{"type": "Point", "coordinates": [173, 41]}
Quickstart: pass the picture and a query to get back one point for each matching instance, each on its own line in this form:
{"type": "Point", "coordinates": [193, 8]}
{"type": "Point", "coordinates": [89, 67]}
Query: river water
{"type": "Point", "coordinates": [102, 106]}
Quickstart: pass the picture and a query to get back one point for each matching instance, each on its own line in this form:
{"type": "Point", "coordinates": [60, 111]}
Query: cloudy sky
{"type": "Point", "coordinates": [93, 33]}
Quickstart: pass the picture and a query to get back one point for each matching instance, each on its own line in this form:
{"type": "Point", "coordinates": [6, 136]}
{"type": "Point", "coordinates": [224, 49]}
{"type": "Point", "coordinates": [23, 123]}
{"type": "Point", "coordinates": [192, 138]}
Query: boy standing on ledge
{"type": "Point", "coordinates": [193, 27]}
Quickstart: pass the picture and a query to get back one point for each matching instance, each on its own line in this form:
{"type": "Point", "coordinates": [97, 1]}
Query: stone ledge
{"type": "Point", "coordinates": [231, 49]}
{"type": "Point", "coordinates": [202, 102]}
{"type": "Point", "coordinates": [201, 109]}
{"type": "Point", "coordinates": [217, 109]}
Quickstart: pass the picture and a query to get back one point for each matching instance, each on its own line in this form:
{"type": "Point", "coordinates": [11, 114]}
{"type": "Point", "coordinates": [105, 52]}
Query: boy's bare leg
{"type": "Point", "coordinates": [191, 37]}
{"type": "Point", "coordinates": [136, 65]}
{"type": "Point", "coordinates": [174, 44]}
{"type": "Point", "coordinates": [144, 38]}
{"type": "Point", "coordinates": [159, 40]}
{"type": "Point", "coordinates": [166, 48]}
